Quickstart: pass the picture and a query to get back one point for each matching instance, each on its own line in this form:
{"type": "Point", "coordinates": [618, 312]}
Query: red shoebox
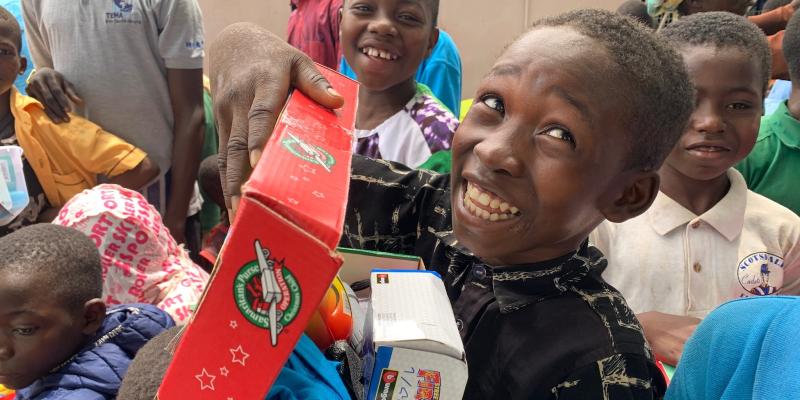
{"type": "Point", "coordinates": [279, 258]}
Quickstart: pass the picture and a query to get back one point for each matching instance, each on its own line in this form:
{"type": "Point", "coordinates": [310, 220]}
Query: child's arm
{"type": "Point", "coordinates": [103, 153]}
{"type": "Point", "coordinates": [137, 177]}
{"type": "Point", "coordinates": [667, 334]}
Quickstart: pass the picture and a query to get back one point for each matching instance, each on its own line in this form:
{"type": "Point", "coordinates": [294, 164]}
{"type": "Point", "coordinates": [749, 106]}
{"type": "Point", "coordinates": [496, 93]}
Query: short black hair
{"type": "Point", "coordinates": [657, 86]}
{"type": "Point", "coordinates": [11, 27]}
{"type": "Point", "coordinates": [773, 4]}
{"type": "Point", "coordinates": [148, 368]}
{"type": "Point", "coordinates": [65, 260]}
{"type": "Point", "coordinates": [637, 10]}
{"type": "Point", "coordinates": [791, 46]}
{"type": "Point", "coordinates": [722, 30]}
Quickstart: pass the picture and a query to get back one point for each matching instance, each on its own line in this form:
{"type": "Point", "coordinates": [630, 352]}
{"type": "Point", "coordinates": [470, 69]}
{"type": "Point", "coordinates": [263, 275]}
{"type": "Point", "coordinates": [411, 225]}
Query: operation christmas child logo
{"type": "Point", "coordinates": [266, 293]}
{"type": "Point", "coordinates": [313, 154]}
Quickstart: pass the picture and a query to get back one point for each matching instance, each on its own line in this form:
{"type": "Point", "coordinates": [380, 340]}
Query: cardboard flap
{"type": "Point", "coordinates": [358, 264]}
{"type": "Point", "coordinates": [303, 178]}
{"type": "Point", "coordinates": [410, 308]}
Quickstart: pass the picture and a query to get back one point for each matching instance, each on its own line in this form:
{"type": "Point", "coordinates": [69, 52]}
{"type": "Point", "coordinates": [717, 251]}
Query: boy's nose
{"type": "Point", "coordinates": [383, 25]}
{"type": "Point", "coordinates": [497, 154]}
{"type": "Point", "coordinates": [6, 351]}
{"type": "Point", "coordinates": [708, 120]}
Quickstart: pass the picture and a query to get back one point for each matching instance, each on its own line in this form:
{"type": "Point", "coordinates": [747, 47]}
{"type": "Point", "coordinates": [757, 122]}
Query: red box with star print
{"type": "Point", "coordinates": [279, 258]}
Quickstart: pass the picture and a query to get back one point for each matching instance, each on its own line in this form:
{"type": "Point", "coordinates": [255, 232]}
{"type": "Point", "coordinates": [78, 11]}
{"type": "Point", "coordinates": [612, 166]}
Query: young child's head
{"type": "Point", "coordinates": [11, 63]}
{"type": "Point", "coordinates": [728, 60]}
{"type": "Point", "coordinates": [791, 47]}
{"type": "Point", "coordinates": [50, 288]}
{"type": "Point", "coordinates": [385, 41]}
{"type": "Point", "coordinates": [568, 128]}
{"type": "Point", "coordinates": [148, 368]}
{"type": "Point", "coordinates": [636, 10]}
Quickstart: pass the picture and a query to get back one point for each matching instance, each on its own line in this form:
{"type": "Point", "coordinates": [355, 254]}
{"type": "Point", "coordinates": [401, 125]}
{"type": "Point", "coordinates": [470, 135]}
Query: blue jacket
{"type": "Point", "coordinates": [746, 349]}
{"type": "Point", "coordinates": [96, 372]}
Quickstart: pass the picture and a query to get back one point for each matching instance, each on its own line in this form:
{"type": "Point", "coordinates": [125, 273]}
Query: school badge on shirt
{"type": "Point", "coordinates": [761, 274]}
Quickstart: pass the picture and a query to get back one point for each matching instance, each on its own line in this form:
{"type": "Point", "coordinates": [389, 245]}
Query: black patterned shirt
{"type": "Point", "coordinates": [550, 330]}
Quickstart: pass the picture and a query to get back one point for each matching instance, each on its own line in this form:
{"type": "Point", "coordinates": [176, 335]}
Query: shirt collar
{"type": "Point", "coordinates": [727, 216]}
{"type": "Point", "coordinates": [517, 286]}
{"type": "Point", "coordinates": [784, 125]}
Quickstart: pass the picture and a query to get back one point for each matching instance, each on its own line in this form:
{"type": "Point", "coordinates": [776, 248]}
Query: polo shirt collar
{"type": "Point", "coordinates": [726, 217]}
{"type": "Point", "coordinates": [784, 125]}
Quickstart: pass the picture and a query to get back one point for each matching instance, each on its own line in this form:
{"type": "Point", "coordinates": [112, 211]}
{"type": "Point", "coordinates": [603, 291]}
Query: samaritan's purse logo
{"type": "Point", "coordinates": [313, 154]}
{"type": "Point", "coordinates": [761, 274]}
{"type": "Point", "coordinates": [266, 293]}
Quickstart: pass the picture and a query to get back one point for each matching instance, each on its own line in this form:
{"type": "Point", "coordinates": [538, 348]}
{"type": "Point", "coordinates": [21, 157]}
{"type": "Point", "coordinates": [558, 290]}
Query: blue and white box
{"type": "Point", "coordinates": [414, 350]}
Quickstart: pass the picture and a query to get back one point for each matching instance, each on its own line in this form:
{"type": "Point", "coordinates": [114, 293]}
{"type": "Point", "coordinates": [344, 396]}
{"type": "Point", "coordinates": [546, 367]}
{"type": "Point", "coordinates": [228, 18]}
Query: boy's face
{"type": "Point", "coordinates": [11, 64]}
{"type": "Point", "coordinates": [724, 124]}
{"type": "Point", "coordinates": [36, 332]}
{"type": "Point", "coordinates": [541, 151]}
{"type": "Point", "coordinates": [384, 41]}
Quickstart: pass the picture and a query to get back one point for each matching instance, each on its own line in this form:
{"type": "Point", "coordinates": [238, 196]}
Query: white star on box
{"type": "Point", "coordinates": [233, 324]}
{"type": "Point", "coordinates": [294, 178]}
{"type": "Point", "coordinates": [206, 380]}
{"type": "Point", "coordinates": [293, 201]}
{"type": "Point", "coordinates": [239, 355]}
{"type": "Point", "coordinates": [318, 194]}
{"type": "Point", "coordinates": [223, 371]}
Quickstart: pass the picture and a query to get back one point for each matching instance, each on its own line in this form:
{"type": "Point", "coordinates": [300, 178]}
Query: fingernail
{"type": "Point", "coordinates": [333, 92]}
{"type": "Point", "coordinates": [255, 155]}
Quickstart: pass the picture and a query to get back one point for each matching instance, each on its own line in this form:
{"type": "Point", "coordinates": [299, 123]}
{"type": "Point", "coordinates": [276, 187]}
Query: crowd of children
{"type": "Point", "coordinates": [584, 237]}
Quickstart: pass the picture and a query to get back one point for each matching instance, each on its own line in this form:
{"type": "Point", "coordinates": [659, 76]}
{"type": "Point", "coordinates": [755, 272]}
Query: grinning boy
{"type": "Point", "coordinates": [385, 41]}
{"type": "Point", "coordinates": [707, 238]}
{"type": "Point", "coordinates": [57, 340]}
{"type": "Point", "coordinates": [549, 150]}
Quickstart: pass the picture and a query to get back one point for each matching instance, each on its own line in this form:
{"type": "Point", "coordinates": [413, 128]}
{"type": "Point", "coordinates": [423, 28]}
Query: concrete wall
{"type": "Point", "coordinates": [480, 28]}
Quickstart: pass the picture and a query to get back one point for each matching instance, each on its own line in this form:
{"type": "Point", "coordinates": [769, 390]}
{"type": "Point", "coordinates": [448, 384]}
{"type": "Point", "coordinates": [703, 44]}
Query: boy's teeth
{"type": "Point", "coordinates": [486, 205]}
{"type": "Point", "coordinates": [373, 52]}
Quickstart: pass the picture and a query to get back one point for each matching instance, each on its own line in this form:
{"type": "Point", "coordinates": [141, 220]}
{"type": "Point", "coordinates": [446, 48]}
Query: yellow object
{"type": "Point", "coordinates": [4, 391]}
{"type": "Point", "coordinates": [466, 104]}
{"type": "Point", "coordinates": [67, 157]}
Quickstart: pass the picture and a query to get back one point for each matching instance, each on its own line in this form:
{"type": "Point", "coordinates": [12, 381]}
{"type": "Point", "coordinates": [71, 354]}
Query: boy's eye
{"type": "Point", "coordinates": [6, 52]}
{"type": "Point", "coordinates": [409, 18]}
{"type": "Point", "coordinates": [361, 8]}
{"type": "Point", "coordinates": [25, 330]}
{"type": "Point", "coordinates": [494, 102]}
{"type": "Point", "coordinates": [739, 106]}
{"type": "Point", "coordinates": [559, 133]}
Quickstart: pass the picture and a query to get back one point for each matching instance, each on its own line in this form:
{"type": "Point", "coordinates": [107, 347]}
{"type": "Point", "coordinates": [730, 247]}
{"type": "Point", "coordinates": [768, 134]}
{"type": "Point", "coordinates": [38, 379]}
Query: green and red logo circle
{"type": "Point", "coordinates": [311, 153]}
{"type": "Point", "coordinates": [249, 295]}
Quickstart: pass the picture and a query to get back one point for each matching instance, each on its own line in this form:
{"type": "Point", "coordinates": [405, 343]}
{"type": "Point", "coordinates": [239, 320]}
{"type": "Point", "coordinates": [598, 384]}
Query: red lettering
{"type": "Point", "coordinates": [141, 237]}
{"type": "Point", "coordinates": [110, 204]}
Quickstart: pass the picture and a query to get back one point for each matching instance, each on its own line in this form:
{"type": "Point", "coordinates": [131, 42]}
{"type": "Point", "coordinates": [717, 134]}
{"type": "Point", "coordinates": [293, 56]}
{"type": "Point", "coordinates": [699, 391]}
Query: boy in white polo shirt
{"type": "Point", "coordinates": [706, 238]}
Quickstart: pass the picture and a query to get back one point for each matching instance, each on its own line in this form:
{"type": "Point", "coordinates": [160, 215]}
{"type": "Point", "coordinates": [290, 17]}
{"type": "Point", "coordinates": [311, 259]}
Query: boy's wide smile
{"type": "Point", "coordinates": [486, 205]}
{"type": "Point", "coordinates": [380, 54]}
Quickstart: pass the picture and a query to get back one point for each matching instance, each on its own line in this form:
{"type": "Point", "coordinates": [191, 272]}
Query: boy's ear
{"type": "Point", "coordinates": [23, 64]}
{"type": "Point", "coordinates": [432, 41]}
{"type": "Point", "coordinates": [639, 190]}
{"type": "Point", "coordinates": [94, 313]}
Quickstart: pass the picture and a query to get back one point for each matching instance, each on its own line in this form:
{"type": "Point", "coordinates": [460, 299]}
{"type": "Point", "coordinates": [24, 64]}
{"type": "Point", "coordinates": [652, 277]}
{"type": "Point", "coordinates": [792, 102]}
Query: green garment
{"type": "Point", "coordinates": [773, 167]}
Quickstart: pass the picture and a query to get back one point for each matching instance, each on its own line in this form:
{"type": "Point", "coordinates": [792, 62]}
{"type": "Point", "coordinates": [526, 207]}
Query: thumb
{"type": "Point", "coordinates": [307, 78]}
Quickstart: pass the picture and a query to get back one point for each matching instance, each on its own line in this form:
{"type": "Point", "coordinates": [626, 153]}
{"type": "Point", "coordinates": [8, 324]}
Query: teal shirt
{"type": "Point", "coordinates": [773, 167]}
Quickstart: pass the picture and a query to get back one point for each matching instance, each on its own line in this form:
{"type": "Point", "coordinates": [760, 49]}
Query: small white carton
{"type": "Point", "coordinates": [416, 351]}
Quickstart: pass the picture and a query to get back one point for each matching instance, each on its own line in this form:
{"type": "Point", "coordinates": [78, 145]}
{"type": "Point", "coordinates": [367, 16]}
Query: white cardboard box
{"type": "Point", "coordinates": [415, 351]}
